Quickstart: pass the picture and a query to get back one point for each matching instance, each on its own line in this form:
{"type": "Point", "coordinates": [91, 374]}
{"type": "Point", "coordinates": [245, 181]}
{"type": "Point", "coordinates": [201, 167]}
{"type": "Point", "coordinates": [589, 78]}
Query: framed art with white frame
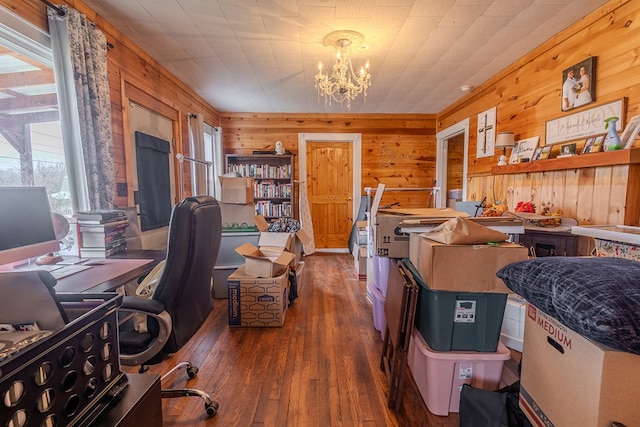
{"type": "Point", "coordinates": [486, 133]}
{"type": "Point", "coordinates": [630, 132]}
{"type": "Point", "coordinates": [524, 149]}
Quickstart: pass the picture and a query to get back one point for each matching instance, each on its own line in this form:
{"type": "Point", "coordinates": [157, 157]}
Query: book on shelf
{"type": "Point", "coordinates": [101, 215]}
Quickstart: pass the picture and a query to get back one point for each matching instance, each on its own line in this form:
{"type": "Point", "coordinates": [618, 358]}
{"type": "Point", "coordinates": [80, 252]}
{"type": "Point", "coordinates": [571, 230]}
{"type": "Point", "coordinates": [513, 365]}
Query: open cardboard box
{"type": "Point", "coordinates": [294, 245]}
{"type": "Point", "coordinates": [269, 259]}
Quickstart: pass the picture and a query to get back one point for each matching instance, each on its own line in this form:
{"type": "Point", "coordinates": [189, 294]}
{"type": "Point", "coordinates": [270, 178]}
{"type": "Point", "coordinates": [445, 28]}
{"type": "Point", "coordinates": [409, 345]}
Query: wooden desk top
{"type": "Point", "coordinates": [116, 271]}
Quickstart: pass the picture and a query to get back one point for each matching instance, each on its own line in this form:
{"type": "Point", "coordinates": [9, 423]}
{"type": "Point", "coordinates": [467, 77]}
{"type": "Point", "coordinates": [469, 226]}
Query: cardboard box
{"type": "Point", "coordinates": [466, 268]}
{"type": "Point", "coordinates": [238, 217]}
{"type": "Point", "coordinates": [568, 380]}
{"type": "Point", "coordinates": [236, 190]}
{"type": "Point", "coordinates": [390, 240]}
{"type": "Point", "coordinates": [360, 261]}
{"type": "Point", "coordinates": [257, 301]}
{"type": "Point", "coordinates": [295, 245]}
{"type": "Point", "coordinates": [362, 230]}
{"type": "Point", "coordinates": [265, 261]}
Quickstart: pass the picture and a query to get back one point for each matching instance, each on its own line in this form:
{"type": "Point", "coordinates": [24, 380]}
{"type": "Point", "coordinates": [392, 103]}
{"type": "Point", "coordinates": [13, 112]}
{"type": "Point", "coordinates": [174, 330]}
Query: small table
{"type": "Point", "coordinates": [140, 404]}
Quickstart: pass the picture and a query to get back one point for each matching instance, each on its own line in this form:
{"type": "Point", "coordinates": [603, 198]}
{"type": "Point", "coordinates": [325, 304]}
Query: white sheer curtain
{"type": "Point", "coordinates": [305, 217]}
{"type": "Point", "coordinates": [80, 65]}
{"type": "Point", "coordinates": [196, 142]}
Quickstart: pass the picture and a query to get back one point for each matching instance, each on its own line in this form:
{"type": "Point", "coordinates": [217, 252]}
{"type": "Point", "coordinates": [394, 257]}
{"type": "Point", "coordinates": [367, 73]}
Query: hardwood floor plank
{"type": "Point", "coordinates": [322, 368]}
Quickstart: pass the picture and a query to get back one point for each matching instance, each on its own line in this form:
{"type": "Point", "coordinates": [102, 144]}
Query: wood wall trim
{"type": "Point", "coordinates": [608, 158]}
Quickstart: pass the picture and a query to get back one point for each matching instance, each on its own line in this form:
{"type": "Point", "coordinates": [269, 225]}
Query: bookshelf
{"type": "Point", "coordinates": [273, 181]}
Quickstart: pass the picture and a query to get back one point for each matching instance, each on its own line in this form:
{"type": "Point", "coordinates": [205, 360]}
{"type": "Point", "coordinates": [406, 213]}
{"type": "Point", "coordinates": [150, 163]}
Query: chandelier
{"type": "Point", "coordinates": [343, 84]}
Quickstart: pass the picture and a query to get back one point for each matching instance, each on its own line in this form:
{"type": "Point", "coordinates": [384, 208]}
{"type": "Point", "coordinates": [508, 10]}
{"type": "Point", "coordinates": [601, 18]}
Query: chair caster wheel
{"type": "Point", "coordinates": [192, 371]}
{"type": "Point", "coordinates": [211, 408]}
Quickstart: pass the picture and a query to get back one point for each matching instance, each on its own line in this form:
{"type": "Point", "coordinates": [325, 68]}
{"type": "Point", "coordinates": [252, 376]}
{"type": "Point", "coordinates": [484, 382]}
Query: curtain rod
{"type": "Point", "coordinates": [60, 11]}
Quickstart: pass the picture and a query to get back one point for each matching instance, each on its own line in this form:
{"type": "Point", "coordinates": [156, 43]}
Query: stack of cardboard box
{"type": "Point", "coordinates": [261, 289]}
{"type": "Point", "coordinates": [460, 310]}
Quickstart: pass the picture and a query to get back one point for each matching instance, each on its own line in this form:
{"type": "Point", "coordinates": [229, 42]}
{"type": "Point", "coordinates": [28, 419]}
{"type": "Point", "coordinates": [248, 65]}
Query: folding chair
{"type": "Point", "coordinates": [399, 309]}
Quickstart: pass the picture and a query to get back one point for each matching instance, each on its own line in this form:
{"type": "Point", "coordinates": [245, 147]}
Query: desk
{"type": "Point", "coordinates": [138, 405]}
{"type": "Point", "coordinates": [117, 271]}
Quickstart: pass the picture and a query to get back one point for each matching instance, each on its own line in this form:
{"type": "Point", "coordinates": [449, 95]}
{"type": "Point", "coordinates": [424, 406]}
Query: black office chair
{"type": "Point", "coordinates": [182, 299]}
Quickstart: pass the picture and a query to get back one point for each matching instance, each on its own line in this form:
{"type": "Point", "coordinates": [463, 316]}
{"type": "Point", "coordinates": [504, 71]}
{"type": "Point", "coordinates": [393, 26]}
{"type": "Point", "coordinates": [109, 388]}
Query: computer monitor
{"type": "Point", "coordinates": [26, 227]}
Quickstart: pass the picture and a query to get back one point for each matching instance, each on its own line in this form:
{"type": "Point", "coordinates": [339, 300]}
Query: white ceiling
{"type": "Point", "coordinates": [261, 55]}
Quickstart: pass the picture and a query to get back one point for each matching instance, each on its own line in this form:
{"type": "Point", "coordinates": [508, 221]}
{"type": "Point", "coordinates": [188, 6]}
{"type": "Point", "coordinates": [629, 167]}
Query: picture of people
{"type": "Point", "coordinates": [587, 145]}
{"type": "Point", "coordinates": [568, 90]}
{"type": "Point", "coordinates": [578, 84]}
{"type": "Point", "coordinates": [568, 150]}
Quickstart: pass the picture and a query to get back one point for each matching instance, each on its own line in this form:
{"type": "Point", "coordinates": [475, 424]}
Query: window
{"type": "Point", "coordinates": [213, 154]}
{"type": "Point", "coordinates": [31, 150]}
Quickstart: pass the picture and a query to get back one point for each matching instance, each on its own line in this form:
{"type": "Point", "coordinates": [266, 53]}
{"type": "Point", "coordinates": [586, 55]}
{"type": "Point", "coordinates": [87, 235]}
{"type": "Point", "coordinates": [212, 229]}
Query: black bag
{"type": "Point", "coordinates": [484, 408]}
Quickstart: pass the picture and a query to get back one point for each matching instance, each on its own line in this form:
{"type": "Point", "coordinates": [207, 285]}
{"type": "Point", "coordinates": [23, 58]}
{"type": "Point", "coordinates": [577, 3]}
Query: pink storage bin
{"type": "Point", "coordinates": [379, 318]}
{"type": "Point", "coordinates": [381, 273]}
{"type": "Point", "coordinates": [440, 375]}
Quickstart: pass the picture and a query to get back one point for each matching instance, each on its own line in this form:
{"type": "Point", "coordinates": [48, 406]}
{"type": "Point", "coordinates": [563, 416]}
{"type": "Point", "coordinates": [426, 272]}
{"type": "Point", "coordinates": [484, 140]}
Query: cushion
{"type": "Point", "coordinates": [598, 298]}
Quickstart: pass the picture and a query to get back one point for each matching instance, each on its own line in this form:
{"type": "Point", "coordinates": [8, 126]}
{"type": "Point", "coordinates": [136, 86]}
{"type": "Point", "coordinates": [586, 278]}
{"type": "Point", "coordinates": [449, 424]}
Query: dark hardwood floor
{"type": "Point", "coordinates": [322, 368]}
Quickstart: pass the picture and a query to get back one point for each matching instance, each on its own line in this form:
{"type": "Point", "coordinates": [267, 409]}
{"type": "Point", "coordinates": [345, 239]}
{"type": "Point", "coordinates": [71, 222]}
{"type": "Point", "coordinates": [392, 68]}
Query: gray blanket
{"type": "Point", "coordinates": [597, 297]}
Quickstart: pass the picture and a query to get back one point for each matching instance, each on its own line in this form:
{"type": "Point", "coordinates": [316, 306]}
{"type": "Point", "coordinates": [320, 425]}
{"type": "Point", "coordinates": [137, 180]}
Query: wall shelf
{"type": "Point", "coordinates": [608, 158]}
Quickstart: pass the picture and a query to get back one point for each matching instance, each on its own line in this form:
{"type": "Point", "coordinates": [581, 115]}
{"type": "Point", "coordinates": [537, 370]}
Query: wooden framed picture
{"type": "Point", "coordinates": [537, 154]}
{"type": "Point", "coordinates": [598, 145]}
{"type": "Point", "coordinates": [524, 150]}
{"type": "Point", "coordinates": [579, 84]}
{"type": "Point", "coordinates": [586, 149]}
{"type": "Point", "coordinates": [568, 150]}
{"type": "Point", "coordinates": [630, 132]}
{"type": "Point", "coordinates": [545, 152]}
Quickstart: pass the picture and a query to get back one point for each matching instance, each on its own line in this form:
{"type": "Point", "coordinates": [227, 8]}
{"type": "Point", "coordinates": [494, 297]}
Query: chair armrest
{"type": "Point", "coordinates": [153, 309]}
{"type": "Point", "coordinates": [142, 305]}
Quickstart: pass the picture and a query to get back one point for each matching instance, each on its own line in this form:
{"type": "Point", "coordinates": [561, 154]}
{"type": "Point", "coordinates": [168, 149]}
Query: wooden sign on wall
{"type": "Point", "coordinates": [583, 124]}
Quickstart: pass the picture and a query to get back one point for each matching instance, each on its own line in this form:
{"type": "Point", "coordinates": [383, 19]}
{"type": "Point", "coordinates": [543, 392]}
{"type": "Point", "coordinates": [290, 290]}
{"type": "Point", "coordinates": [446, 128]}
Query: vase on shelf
{"type": "Point", "coordinates": [612, 140]}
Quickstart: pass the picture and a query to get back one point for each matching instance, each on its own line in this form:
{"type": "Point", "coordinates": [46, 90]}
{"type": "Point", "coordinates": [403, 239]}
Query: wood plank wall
{"type": "Point", "coordinates": [528, 93]}
{"type": "Point", "coordinates": [398, 150]}
{"type": "Point", "coordinates": [135, 76]}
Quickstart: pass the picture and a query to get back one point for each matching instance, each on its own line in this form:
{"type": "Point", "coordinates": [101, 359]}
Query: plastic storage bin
{"type": "Point", "coordinates": [381, 273]}
{"type": "Point", "coordinates": [377, 299]}
{"type": "Point", "coordinates": [439, 376]}
{"type": "Point", "coordinates": [512, 333]}
{"type": "Point", "coordinates": [458, 321]}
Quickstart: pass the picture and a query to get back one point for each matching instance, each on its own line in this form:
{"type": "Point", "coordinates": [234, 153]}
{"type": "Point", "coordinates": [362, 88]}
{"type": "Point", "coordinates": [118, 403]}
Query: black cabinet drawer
{"type": "Point", "coordinates": [545, 243]}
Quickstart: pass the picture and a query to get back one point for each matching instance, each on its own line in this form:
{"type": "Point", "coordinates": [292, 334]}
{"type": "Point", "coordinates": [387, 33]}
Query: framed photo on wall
{"type": "Point", "coordinates": [579, 84]}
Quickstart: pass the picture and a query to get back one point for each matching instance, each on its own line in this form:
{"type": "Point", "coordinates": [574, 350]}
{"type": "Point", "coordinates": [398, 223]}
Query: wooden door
{"type": "Point", "coordinates": [330, 189]}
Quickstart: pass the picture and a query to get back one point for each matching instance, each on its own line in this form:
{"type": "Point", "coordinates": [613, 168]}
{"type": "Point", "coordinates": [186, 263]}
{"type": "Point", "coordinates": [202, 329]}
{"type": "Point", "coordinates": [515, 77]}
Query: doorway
{"type": "Point", "coordinates": [451, 143]}
{"type": "Point", "coordinates": [329, 166]}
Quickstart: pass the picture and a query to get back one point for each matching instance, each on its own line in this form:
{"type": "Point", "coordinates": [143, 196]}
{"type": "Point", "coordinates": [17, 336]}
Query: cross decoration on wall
{"type": "Point", "coordinates": [486, 133]}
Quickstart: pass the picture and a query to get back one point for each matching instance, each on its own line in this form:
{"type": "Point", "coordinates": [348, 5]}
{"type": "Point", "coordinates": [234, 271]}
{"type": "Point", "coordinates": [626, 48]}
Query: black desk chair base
{"type": "Point", "coordinates": [211, 406]}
